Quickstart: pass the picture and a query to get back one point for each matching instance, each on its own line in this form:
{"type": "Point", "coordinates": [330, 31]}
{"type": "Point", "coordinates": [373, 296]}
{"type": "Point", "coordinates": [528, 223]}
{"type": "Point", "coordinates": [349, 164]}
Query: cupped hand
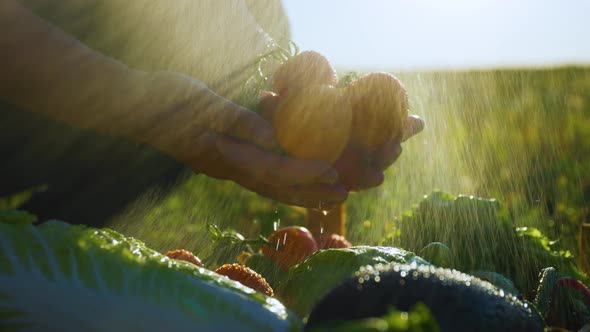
{"type": "Point", "coordinates": [385, 155]}
{"type": "Point", "coordinates": [216, 137]}
{"type": "Point", "coordinates": [361, 168]}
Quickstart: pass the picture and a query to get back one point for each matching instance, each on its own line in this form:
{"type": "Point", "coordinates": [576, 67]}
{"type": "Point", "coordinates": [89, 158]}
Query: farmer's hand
{"type": "Point", "coordinates": [48, 71]}
{"type": "Point", "coordinates": [373, 163]}
{"type": "Point", "coordinates": [359, 168]}
{"type": "Point", "coordinates": [210, 134]}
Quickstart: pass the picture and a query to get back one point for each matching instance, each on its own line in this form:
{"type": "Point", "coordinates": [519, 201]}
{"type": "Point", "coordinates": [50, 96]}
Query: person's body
{"type": "Point", "coordinates": [101, 100]}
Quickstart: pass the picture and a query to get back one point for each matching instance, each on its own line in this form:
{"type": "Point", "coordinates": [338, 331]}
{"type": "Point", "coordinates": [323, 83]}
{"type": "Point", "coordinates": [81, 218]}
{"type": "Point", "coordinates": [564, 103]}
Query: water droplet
{"type": "Point", "coordinates": [377, 278]}
{"type": "Point", "coordinates": [403, 274]}
{"type": "Point", "coordinates": [361, 280]}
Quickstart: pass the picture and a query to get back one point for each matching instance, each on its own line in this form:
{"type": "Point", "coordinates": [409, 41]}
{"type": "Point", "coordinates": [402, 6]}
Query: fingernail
{"type": "Point", "coordinates": [330, 176]}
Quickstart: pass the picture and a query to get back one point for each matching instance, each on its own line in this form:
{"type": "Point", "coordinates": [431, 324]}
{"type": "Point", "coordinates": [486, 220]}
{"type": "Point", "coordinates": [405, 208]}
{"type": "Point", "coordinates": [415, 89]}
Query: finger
{"type": "Point", "coordinates": [413, 125]}
{"type": "Point", "coordinates": [313, 196]}
{"type": "Point", "coordinates": [201, 154]}
{"type": "Point", "coordinates": [386, 154]}
{"type": "Point", "coordinates": [272, 168]}
{"type": "Point", "coordinates": [233, 120]}
{"type": "Point", "coordinates": [369, 178]}
{"type": "Point", "coordinates": [267, 105]}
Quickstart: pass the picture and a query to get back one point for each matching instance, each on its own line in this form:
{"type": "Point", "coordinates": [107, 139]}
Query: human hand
{"type": "Point", "coordinates": [359, 168]}
{"type": "Point", "coordinates": [183, 118]}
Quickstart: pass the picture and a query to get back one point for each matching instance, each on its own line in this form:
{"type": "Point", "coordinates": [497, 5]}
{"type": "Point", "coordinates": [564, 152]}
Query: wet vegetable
{"type": "Point", "coordinates": [289, 246]}
{"type": "Point", "coordinates": [264, 265]}
{"type": "Point", "coordinates": [59, 277]}
{"type": "Point", "coordinates": [313, 123]}
{"type": "Point", "coordinates": [459, 302]}
{"type": "Point", "coordinates": [314, 277]}
{"type": "Point", "coordinates": [184, 255]}
{"type": "Point", "coordinates": [246, 276]}
{"type": "Point", "coordinates": [305, 69]}
{"type": "Point", "coordinates": [379, 106]}
{"type": "Point", "coordinates": [480, 236]}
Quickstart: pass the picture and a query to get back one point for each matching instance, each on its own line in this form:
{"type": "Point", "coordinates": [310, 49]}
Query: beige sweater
{"type": "Point", "coordinates": [216, 42]}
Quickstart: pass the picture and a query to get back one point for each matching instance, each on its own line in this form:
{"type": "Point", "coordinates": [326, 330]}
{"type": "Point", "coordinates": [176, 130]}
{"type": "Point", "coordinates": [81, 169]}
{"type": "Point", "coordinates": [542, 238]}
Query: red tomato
{"type": "Point", "coordinates": [246, 276]}
{"type": "Point", "coordinates": [184, 255]}
{"type": "Point", "coordinates": [289, 246]}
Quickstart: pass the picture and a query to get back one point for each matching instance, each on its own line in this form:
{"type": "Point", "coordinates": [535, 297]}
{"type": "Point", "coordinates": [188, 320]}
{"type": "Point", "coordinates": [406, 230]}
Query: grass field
{"type": "Point", "coordinates": [520, 136]}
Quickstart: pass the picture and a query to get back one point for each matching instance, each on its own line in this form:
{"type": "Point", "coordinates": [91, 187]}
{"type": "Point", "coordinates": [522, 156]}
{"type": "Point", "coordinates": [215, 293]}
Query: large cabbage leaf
{"type": "Point", "coordinates": [61, 277]}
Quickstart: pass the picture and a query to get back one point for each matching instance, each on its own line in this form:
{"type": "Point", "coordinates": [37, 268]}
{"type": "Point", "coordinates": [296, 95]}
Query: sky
{"type": "Point", "coordinates": [432, 34]}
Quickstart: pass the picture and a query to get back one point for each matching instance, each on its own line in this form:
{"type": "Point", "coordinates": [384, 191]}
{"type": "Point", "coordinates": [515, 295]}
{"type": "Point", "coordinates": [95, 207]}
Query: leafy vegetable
{"type": "Point", "coordinates": [319, 273]}
{"type": "Point", "coordinates": [60, 277]}
{"type": "Point", "coordinates": [481, 237]}
{"type": "Point", "coordinates": [16, 200]}
{"type": "Point", "coordinates": [17, 217]}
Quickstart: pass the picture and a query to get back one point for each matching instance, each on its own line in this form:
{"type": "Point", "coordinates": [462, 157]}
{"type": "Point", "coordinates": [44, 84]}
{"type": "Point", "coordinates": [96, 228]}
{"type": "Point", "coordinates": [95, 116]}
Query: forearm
{"type": "Point", "coordinates": [45, 70]}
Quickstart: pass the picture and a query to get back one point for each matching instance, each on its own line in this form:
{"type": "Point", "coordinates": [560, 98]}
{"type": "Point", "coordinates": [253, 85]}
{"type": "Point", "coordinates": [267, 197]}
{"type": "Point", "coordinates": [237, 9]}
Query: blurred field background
{"type": "Point", "coordinates": [521, 136]}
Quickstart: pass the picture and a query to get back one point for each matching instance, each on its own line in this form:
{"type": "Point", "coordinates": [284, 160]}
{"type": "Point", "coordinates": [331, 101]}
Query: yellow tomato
{"type": "Point", "coordinates": [305, 69]}
{"type": "Point", "coordinates": [379, 107]}
{"type": "Point", "coordinates": [314, 123]}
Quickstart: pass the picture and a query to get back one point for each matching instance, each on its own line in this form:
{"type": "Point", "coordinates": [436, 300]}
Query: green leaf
{"type": "Point", "coordinates": [16, 200]}
{"type": "Point", "coordinates": [17, 217]}
{"type": "Point", "coordinates": [304, 288]}
{"type": "Point", "coordinates": [61, 277]}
